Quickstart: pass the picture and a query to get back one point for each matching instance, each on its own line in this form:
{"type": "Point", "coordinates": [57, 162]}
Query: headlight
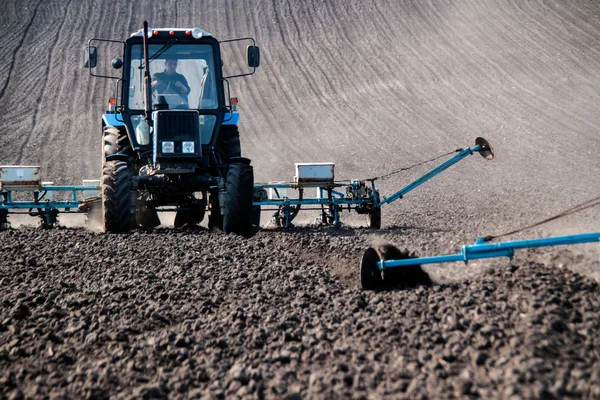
{"type": "Point", "coordinates": [197, 33]}
{"type": "Point", "coordinates": [188, 147]}
{"type": "Point", "coordinates": [168, 147]}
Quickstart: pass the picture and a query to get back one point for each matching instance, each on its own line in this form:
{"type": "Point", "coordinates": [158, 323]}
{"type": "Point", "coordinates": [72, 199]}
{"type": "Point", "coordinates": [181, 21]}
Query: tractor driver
{"type": "Point", "coordinates": [170, 82]}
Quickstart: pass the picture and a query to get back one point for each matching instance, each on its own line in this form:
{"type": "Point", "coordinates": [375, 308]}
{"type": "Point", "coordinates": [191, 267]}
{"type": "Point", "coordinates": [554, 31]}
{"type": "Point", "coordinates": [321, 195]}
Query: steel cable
{"type": "Point", "coordinates": [385, 176]}
{"type": "Point", "coordinates": [575, 209]}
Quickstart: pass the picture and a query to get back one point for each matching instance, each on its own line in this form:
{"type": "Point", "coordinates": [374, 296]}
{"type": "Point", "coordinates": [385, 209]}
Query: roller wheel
{"type": "Point", "coordinates": [116, 197]}
{"type": "Point", "coordinates": [370, 274]}
{"type": "Point", "coordinates": [395, 277]}
{"type": "Point", "coordinates": [238, 206]}
{"type": "Point", "coordinates": [407, 276]}
{"type": "Point", "coordinates": [374, 218]}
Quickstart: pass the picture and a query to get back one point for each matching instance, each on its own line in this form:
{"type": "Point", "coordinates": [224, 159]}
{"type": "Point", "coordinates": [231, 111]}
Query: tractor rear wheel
{"type": "Point", "coordinates": [228, 143]}
{"type": "Point", "coordinates": [238, 206]}
{"type": "Point", "coordinates": [228, 147]}
{"type": "Point", "coordinates": [116, 197]}
{"type": "Point", "coordinates": [115, 141]}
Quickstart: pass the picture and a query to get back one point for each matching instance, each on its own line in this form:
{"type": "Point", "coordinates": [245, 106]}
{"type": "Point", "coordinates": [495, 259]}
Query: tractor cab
{"type": "Point", "coordinates": [185, 74]}
{"type": "Point", "coordinates": [170, 138]}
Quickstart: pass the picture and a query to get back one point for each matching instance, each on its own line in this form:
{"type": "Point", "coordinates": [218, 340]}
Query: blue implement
{"type": "Point", "coordinates": [492, 250]}
{"type": "Point", "coordinates": [45, 208]}
{"type": "Point", "coordinates": [372, 265]}
{"type": "Point", "coordinates": [360, 195]}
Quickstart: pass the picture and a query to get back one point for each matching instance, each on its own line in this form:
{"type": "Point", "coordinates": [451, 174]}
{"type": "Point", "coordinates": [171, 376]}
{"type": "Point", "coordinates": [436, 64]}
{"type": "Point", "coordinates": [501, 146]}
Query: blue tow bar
{"type": "Point", "coordinates": [372, 266]}
{"type": "Point", "coordinates": [481, 145]}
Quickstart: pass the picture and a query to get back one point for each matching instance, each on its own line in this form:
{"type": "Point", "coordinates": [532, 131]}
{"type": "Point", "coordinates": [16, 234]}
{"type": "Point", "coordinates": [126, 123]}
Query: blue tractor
{"type": "Point", "coordinates": [170, 140]}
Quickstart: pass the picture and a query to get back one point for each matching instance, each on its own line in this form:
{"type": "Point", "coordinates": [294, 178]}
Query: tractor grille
{"type": "Point", "coordinates": [177, 125]}
{"type": "Point", "coordinates": [176, 134]}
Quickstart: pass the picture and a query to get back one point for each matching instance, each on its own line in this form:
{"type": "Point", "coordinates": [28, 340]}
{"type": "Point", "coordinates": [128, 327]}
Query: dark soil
{"type": "Point", "coordinates": [202, 315]}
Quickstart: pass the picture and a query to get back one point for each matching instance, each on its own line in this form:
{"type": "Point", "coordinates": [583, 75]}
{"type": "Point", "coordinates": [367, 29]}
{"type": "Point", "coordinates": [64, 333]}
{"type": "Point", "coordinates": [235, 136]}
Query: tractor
{"type": "Point", "coordinates": [170, 140]}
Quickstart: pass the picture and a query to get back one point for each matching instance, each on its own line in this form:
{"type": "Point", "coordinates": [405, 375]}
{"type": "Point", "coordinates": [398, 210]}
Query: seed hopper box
{"type": "Point", "coordinates": [20, 177]}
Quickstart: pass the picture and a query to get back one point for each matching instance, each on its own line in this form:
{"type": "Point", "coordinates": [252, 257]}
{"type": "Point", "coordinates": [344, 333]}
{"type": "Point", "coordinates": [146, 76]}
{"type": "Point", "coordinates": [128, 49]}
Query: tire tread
{"type": "Point", "coordinates": [116, 198]}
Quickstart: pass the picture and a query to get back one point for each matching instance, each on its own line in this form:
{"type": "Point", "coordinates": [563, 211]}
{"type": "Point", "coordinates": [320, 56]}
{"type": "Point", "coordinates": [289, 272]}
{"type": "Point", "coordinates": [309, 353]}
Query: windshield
{"type": "Point", "coordinates": [182, 76]}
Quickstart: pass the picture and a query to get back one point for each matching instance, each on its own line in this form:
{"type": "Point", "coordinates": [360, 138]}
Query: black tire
{"type": "Point", "coordinates": [370, 275]}
{"type": "Point", "coordinates": [397, 277]}
{"type": "Point", "coordinates": [4, 224]}
{"type": "Point", "coordinates": [228, 143]}
{"type": "Point", "coordinates": [238, 206]}
{"type": "Point", "coordinates": [116, 197]}
{"type": "Point", "coordinates": [115, 141]}
{"type": "Point", "coordinates": [215, 218]}
{"type": "Point", "coordinates": [374, 218]}
{"type": "Point", "coordinates": [228, 146]}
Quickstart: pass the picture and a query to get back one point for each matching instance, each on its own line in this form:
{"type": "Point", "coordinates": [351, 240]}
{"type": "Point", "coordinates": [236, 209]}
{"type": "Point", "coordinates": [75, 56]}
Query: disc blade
{"type": "Point", "coordinates": [486, 149]}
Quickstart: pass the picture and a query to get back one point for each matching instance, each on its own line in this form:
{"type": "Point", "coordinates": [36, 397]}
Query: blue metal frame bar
{"type": "Point", "coordinates": [311, 201]}
{"type": "Point", "coordinates": [492, 250]}
{"type": "Point", "coordinates": [440, 168]}
{"type": "Point", "coordinates": [7, 203]}
{"type": "Point", "coordinates": [20, 205]}
{"type": "Point", "coordinates": [290, 185]}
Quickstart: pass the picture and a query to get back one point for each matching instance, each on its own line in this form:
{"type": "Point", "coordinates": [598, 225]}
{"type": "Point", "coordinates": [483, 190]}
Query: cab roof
{"type": "Point", "coordinates": [176, 31]}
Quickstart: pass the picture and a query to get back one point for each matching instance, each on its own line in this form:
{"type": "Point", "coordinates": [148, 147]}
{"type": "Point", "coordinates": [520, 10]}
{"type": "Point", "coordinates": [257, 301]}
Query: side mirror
{"type": "Point", "coordinates": [90, 56]}
{"type": "Point", "coordinates": [117, 63]}
{"type": "Point", "coordinates": [253, 56]}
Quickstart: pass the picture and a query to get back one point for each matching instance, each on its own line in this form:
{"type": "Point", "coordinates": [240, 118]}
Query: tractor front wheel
{"type": "Point", "coordinates": [240, 191]}
{"type": "Point", "coordinates": [115, 141]}
{"type": "Point", "coordinates": [116, 197]}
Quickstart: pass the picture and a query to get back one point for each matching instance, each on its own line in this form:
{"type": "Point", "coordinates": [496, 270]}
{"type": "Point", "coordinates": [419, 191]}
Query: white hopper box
{"type": "Point", "coordinates": [19, 177]}
{"type": "Point", "coordinates": [314, 174]}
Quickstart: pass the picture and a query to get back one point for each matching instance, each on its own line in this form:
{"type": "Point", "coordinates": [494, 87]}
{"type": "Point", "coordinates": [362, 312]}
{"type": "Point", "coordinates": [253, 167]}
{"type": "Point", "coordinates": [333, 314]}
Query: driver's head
{"type": "Point", "coordinates": [170, 66]}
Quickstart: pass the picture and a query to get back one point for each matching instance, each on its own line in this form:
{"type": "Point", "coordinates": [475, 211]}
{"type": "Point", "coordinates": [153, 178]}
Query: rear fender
{"type": "Point", "coordinates": [117, 157]}
{"type": "Point", "coordinates": [232, 118]}
{"type": "Point", "coordinates": [239, 160]}
{"type": "Point", "coordinates": [112, 120]}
